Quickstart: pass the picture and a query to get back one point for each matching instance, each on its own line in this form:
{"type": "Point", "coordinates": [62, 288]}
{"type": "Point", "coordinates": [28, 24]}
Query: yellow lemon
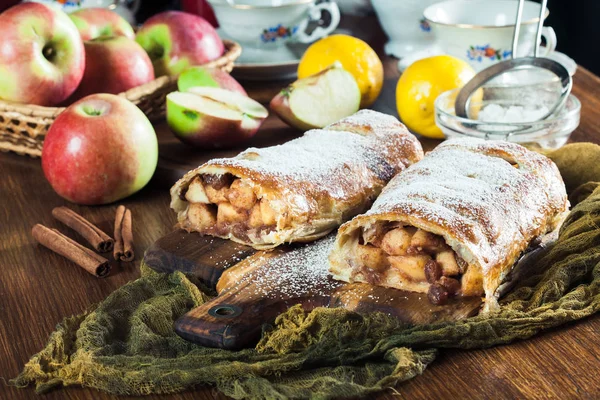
{"type": "Point", "coordinates": [356, 57]}
{"type": "Point", "coordinates": [421, 83]}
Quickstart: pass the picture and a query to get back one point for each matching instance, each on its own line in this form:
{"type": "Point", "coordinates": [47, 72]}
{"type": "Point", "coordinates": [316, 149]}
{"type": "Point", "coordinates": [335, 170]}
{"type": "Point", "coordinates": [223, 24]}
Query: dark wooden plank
{"type": "Point", "coordinates": [259, 288]}
{"type": "Point", "coordinates": [203, 257]}
{"type": "Point", "coordinates": [234, 319]}
{"type": "Point", "coordinates": [38, 289]}
{"type": "Point", "coordinates": [252, 292]}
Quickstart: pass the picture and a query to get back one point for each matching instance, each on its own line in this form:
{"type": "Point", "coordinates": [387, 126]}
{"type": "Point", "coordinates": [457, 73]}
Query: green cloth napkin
{"type": "Point", "coordinates": [127, 345]}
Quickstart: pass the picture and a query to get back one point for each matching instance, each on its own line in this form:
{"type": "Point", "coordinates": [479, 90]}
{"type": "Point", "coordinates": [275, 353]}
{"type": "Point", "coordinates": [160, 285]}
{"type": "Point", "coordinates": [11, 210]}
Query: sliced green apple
{"type": "Point", "coordinates": [213, 117]}
{"type": "Point", "coordinates": [318, 100]}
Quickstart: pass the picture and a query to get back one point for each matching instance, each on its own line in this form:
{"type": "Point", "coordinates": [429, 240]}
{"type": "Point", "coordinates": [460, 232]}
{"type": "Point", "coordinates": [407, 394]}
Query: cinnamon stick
{"type": "Point", "coordinates": [96, 237]}
{"type": "Point", "coordinates": [127, 235]}
{"type": "Point", "coordinates": [123, 249]}
{"type": "Point", "coordinates": [82, 256]}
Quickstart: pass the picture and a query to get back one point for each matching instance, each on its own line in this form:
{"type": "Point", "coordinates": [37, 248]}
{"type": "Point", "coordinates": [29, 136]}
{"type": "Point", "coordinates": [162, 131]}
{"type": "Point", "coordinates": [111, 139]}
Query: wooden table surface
{"type": "Point", "coordinates": [39, 288]}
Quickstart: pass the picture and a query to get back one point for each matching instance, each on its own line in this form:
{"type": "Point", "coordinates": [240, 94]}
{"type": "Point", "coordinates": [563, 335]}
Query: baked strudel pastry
{"type": "Point", "coordinates": [298, 191]}
{"type": "Point", "coordinates": [455, 223]}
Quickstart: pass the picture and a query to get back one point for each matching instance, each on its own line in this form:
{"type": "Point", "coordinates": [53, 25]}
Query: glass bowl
{"type": "Point", "coordinates": [548, 134]}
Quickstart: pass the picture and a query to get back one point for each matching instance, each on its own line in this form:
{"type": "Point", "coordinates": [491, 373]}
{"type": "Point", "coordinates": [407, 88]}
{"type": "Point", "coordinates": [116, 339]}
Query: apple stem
{"type": "Point", "coordinates": [156, 52]}
{"type": "Point", "coordinates": [89, 110]}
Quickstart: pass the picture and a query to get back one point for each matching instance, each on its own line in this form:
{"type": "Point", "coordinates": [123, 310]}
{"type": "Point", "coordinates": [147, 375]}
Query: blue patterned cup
{"type": "Point", "coordinates": [481, 31]}
{"type": "Point", "coordinates": [269, 24]}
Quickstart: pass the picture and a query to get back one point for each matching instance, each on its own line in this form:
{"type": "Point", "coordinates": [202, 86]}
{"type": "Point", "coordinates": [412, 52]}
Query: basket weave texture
{"type": "Point", "coordinates": [23, 127]}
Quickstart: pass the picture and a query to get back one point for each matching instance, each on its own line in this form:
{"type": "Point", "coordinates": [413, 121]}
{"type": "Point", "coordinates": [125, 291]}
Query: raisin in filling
{"type": "Point", "coordinates": [409, 258]}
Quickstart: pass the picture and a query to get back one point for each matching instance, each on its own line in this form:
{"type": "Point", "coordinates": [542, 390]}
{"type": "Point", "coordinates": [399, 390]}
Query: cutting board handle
{"type": "Point", "coordinates": [234, 320]}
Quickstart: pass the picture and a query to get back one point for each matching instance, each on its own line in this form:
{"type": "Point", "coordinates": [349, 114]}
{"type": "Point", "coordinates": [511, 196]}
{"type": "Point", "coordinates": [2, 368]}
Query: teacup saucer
{"type": "Point", "coordinates": [267, 64]}
{"type": "Point", "coordinates": [259, 64]}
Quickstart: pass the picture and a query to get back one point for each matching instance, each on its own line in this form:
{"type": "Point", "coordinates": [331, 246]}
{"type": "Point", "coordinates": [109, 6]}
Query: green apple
{"type": "Point", "coordinates": [211, 77]}
{"type": "Point", "coordinates": [318, 100]}
{"type": "Point", "coordinates": [213, 117]}
{"type": "Point", "coordinates": [94, 22]}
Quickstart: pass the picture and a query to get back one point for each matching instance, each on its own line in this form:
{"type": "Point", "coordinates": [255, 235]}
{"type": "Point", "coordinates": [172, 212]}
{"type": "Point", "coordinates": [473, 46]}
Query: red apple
{"type": "Point", "coordinates": [99, 150]}
{"type": "Point", "coordinates": [113, 65]}
{"type": "Point", "coordinates": [174, 40]}
{"type": "Point", "coordinates": [211, 77]}
{"type": "Point", "coordinates": [95, 22]}
{"type": "Point", "coordinates": [41, 55]}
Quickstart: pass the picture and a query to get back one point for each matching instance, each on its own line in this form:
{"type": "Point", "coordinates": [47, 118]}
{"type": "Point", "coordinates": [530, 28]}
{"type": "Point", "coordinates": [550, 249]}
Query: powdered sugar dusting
{"type": "Point", "coordinates": [301, 271]}
{"type": "Point", "coordinates": [376, 120]}
{"type": "Point", "coordinates": [473, 188]}
{"type": "Point", "coordinates": [315, 157]}
{"type": "Point", "coordinates": [321, 179]}
{"type": "Point", "coordinates": [316, 182]}
{"type": "Point", "coordinates": [360, 152]}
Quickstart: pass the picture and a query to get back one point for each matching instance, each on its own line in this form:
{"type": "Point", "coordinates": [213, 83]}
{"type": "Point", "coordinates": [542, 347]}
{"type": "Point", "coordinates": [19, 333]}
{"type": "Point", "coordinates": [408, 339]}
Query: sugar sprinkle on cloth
{"type": "Point", "coordinates": [126, 345]}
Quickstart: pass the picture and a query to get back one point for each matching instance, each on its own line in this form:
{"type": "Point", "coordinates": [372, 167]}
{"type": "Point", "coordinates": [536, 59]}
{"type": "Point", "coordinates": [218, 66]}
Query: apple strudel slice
{"type": "Point", "coordinates": [455, 223]}
{"type": "Point", "coordinates": [298, 191]}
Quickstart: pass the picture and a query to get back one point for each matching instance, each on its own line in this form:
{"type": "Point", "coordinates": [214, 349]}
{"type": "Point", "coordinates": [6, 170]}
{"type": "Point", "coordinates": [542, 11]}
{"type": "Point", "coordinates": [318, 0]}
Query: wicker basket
{"type": "Point", "coordinates": [24, 126]}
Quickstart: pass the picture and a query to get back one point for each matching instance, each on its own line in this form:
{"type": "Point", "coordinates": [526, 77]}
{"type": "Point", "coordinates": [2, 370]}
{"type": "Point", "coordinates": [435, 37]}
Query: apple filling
{"type": "Point", "coordinates": [408, 258]}
{"type": "Point", "coordinates": [224, 205]}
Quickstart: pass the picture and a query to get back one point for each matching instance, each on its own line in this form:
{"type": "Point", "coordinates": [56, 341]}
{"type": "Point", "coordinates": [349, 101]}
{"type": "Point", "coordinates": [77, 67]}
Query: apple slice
{"type": "Point", "coordinates": [233, 99]}
{"type": "Point", "coordinates": [212, 117]}
{"type": "Point", "coordinates": [211, 77]}
{"type": "Point", "coordinates": [318, 100]}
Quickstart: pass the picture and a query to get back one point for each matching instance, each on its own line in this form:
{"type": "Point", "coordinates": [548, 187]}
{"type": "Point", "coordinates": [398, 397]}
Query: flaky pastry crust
{"type": "Point", "coordinates": [309, 185]}
{"type": "Point", "coordinates": [489, 200]}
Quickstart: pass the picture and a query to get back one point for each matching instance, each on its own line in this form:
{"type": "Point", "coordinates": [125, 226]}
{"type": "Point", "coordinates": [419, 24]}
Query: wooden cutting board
{"type": "Point", "coordinates": [254, 287]}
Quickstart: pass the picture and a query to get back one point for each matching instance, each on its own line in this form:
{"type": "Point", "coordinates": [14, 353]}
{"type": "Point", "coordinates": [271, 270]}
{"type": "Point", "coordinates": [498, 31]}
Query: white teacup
{"type": "Point", "coordinates": [481, 31]}
{"type": "Point", "coordinates": [403, 22]}
{"type": "Point", "coordinates": [266, 24]}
